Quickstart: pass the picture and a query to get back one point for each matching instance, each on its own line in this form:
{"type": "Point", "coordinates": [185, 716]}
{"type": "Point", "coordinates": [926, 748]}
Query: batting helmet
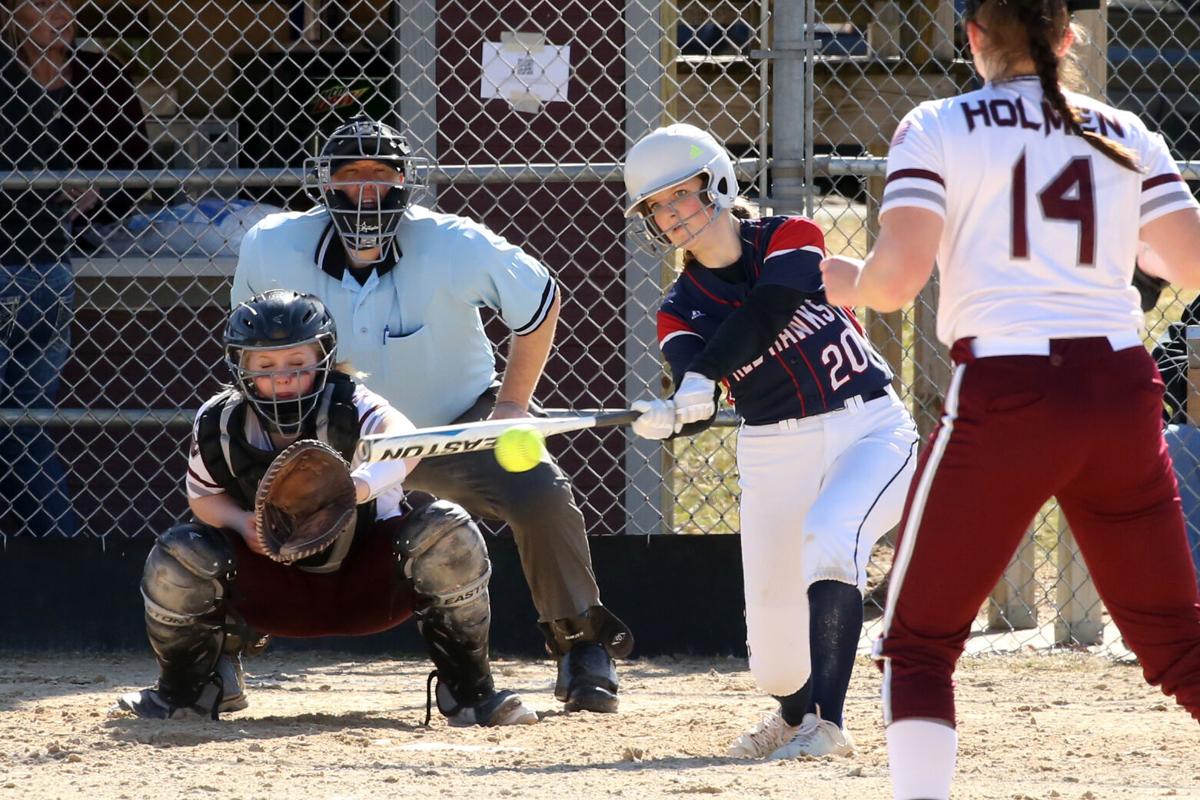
{"type": "Point", "coordinates": [364, 224]}
{"type": "Point", "coordinates": [669, 156]}
{"type": "Point", "coordinates": [280, 319]}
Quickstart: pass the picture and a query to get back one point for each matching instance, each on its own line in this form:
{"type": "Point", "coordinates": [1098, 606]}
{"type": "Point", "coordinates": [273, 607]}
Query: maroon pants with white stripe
{"type": "Point", "coordinates": [1083, 425]}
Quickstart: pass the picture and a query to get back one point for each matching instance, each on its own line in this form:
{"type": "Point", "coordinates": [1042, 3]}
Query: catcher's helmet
{"type": "Point", "coordinates": [364, 227]}
{"type": "Point", "coordinates": [669, 156]}
{"type": "Point", "coordinates": [276, 320]}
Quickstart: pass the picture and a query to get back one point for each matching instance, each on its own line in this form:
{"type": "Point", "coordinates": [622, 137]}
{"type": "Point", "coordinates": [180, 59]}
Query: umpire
{"type": "Point", "coordinates": [405, 285]}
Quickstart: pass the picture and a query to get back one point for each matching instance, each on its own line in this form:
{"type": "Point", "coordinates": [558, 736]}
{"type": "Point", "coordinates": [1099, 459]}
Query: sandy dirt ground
{"type": "Point", "coordinates": [326, 726]}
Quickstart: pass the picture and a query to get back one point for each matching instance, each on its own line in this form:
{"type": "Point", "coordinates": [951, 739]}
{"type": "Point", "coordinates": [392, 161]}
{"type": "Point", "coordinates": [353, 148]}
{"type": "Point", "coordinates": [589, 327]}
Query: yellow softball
{"type": "Point", "coordinates": [520, 448]}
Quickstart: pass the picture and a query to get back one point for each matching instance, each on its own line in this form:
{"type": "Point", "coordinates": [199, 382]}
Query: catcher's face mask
{"type": "Point", "coordinates": [283, 383]}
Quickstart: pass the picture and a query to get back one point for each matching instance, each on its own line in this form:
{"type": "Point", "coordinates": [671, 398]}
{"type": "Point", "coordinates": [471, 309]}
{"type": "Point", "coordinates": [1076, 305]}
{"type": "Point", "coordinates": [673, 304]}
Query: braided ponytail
{"type": "Point", "coordinates": [1036, 17]}
{"type": "Point", "coordinates": [1045, 22]}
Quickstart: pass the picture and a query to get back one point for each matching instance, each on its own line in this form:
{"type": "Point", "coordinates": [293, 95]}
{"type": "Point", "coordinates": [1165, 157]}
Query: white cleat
{"type": "Point", "coordinates": [817, 737]}
{"type": "Point", "coordinates": [771, 733]}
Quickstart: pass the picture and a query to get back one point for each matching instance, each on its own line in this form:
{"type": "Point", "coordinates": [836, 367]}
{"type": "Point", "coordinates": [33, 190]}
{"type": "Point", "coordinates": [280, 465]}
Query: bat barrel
{"type": "Point", "coordinates": [482, 435]}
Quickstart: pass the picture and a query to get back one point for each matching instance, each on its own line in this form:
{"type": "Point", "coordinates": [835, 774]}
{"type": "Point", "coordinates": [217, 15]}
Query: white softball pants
{"type": "Point", "coordinates": [817, 493]}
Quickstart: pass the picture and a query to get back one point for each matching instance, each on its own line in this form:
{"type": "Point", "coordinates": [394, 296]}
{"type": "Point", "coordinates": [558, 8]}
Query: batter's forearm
{"type": "Point", "coordinates": [749, 331]}
{"type": "Point", "coordinates": [526, 359]}
{"type": "Point", "coordinates": [878, 289]}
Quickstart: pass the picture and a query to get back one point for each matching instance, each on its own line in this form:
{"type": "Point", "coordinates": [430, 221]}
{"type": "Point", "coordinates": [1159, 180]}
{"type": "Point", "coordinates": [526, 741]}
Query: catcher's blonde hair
{"type": "Point", "coordinates": [347, 368]}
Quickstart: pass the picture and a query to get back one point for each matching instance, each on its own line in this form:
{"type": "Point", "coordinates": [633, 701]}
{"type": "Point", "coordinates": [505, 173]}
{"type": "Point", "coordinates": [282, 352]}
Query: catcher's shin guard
{"type": "Point", "coordinates": [585, 647]}
{"type": "Point", "coordinates": [443, 554]}
{"type": "Point", "coordinates": [185, 585]}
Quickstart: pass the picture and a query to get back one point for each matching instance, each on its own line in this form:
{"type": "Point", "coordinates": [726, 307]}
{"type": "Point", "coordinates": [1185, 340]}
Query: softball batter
{"type": "Point", "coordinates": [826, 450]}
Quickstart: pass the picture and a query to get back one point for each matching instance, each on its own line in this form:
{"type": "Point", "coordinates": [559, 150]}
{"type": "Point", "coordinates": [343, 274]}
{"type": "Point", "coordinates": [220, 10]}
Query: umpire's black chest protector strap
{"type": "Point", "coordinates": [238, 466]}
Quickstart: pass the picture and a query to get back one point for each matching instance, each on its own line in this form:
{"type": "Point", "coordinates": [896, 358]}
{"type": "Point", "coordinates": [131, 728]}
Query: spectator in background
{"type": "Point", "coordinates": [60, 109]}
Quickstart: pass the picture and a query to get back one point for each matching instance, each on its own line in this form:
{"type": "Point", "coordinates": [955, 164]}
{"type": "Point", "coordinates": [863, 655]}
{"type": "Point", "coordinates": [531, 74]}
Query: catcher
{"type": "Point", "coordinates": [287, 540]}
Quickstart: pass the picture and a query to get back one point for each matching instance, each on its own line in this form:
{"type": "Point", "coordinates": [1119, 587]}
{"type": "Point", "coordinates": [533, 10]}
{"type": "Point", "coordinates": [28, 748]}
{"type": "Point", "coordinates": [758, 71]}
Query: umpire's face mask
{"type": "Point", "coordinates": [366, 199]}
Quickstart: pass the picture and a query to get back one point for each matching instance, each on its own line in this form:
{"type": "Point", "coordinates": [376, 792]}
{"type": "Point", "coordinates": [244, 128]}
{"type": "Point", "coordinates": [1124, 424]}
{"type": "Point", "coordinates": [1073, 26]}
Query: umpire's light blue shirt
{"type": "Point", "coordinates": [415, 328]}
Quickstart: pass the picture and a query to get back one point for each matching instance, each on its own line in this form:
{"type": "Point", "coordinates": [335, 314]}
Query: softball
{"type": "Point", "coordinates": [520, 448]}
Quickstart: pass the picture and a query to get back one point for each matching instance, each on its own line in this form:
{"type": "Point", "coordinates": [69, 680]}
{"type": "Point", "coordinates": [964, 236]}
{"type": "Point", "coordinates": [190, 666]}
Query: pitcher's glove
{"type": "Point", "coordinates": [304, 502]}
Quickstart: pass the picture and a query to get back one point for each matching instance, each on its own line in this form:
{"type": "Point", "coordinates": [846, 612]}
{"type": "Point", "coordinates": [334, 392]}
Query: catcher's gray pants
{"type": "Point", "coordinates": [539, 508]}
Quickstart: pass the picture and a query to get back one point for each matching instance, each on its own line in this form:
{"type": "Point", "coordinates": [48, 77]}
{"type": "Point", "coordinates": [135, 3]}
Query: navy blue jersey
{"type": "Point", "coordinates": [816, 363]}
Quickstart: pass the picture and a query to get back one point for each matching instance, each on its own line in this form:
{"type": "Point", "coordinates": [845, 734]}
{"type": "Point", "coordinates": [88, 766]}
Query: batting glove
{"type": "Point", "coordinates": [657, 420]}
{"type": "Point", "coordinates": [694, 399]}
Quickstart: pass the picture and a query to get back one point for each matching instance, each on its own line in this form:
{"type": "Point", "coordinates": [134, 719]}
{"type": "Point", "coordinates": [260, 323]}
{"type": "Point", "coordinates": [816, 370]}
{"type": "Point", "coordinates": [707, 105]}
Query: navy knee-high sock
{"type": "Point", "coordinates": [794, 706]}
{"type": "Point", "coordinates": [836, 617]}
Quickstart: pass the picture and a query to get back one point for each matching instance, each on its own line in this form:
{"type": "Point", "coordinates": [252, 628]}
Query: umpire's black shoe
{"type": "Point", "coordinates": [587, 680]}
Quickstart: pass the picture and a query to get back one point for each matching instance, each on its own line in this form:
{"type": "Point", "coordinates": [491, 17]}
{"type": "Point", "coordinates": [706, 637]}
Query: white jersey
{"type": "Point", "coordinates": [1041, 229]}
{"type": "Point", "coordinates": [374, 415]}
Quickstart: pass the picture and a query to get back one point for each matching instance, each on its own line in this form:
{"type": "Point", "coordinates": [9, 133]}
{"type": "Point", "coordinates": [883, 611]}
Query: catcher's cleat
{"type": "Point", "coordinates": [502, 708]}
{"type": "Point", "coordinates": [214, 699]}
{"type": "Point", "coordinates": [587, 680]}
{"type": "Point", "coordinates": [817, 737]}
{"type": "Point", "coordinates": [765, 738]}
{"type": "Point", "coordinates": [498, 708]}
{"type": "Point", "coordinates": [233, 680]}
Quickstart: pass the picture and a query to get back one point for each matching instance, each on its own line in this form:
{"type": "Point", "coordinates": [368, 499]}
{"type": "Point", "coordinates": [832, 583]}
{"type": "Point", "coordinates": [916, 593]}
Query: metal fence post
{"type": "Point", "coordinates": [645, 502]}
{"type": "Point", "coordinates": [790, 117]}
{"type": "Point", "coordinates": [415, 29]}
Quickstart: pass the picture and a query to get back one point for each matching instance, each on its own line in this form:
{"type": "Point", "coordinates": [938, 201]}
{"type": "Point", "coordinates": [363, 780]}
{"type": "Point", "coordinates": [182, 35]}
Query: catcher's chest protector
{"type": "Point", "coordinates": [238, 467]}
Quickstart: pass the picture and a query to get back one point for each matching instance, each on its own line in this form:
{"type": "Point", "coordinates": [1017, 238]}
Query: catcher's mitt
{"type": "Point", "coordinates": [304, 502]}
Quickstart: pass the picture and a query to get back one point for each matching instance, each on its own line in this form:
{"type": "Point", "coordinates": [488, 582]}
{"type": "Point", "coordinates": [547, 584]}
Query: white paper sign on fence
{"type": "Point", "coordinates": [525, 71]}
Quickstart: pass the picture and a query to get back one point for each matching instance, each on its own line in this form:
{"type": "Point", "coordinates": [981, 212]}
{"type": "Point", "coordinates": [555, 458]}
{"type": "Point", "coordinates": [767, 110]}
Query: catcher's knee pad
{"type": "Point", "coordinates": [443, 555]}
{"type": "Point", "coordinates": [185, 586]}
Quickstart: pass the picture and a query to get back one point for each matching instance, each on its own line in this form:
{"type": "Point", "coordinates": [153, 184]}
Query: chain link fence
{"type": "Point", "coordinates": [181, 124]}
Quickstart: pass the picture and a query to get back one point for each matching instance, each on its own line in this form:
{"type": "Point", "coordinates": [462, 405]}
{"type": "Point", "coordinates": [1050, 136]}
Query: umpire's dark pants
{"type": "Point", "coordinates": [538, 507]}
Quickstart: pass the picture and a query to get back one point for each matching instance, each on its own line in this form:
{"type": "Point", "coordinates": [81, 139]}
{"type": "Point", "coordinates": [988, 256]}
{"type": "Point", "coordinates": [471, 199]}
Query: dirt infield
{"type": "Point", "coordinates": [323, 726]}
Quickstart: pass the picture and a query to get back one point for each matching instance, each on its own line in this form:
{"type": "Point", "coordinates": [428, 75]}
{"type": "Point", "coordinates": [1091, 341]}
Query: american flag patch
{"type": "Point", "coordinates": [901, 132]}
